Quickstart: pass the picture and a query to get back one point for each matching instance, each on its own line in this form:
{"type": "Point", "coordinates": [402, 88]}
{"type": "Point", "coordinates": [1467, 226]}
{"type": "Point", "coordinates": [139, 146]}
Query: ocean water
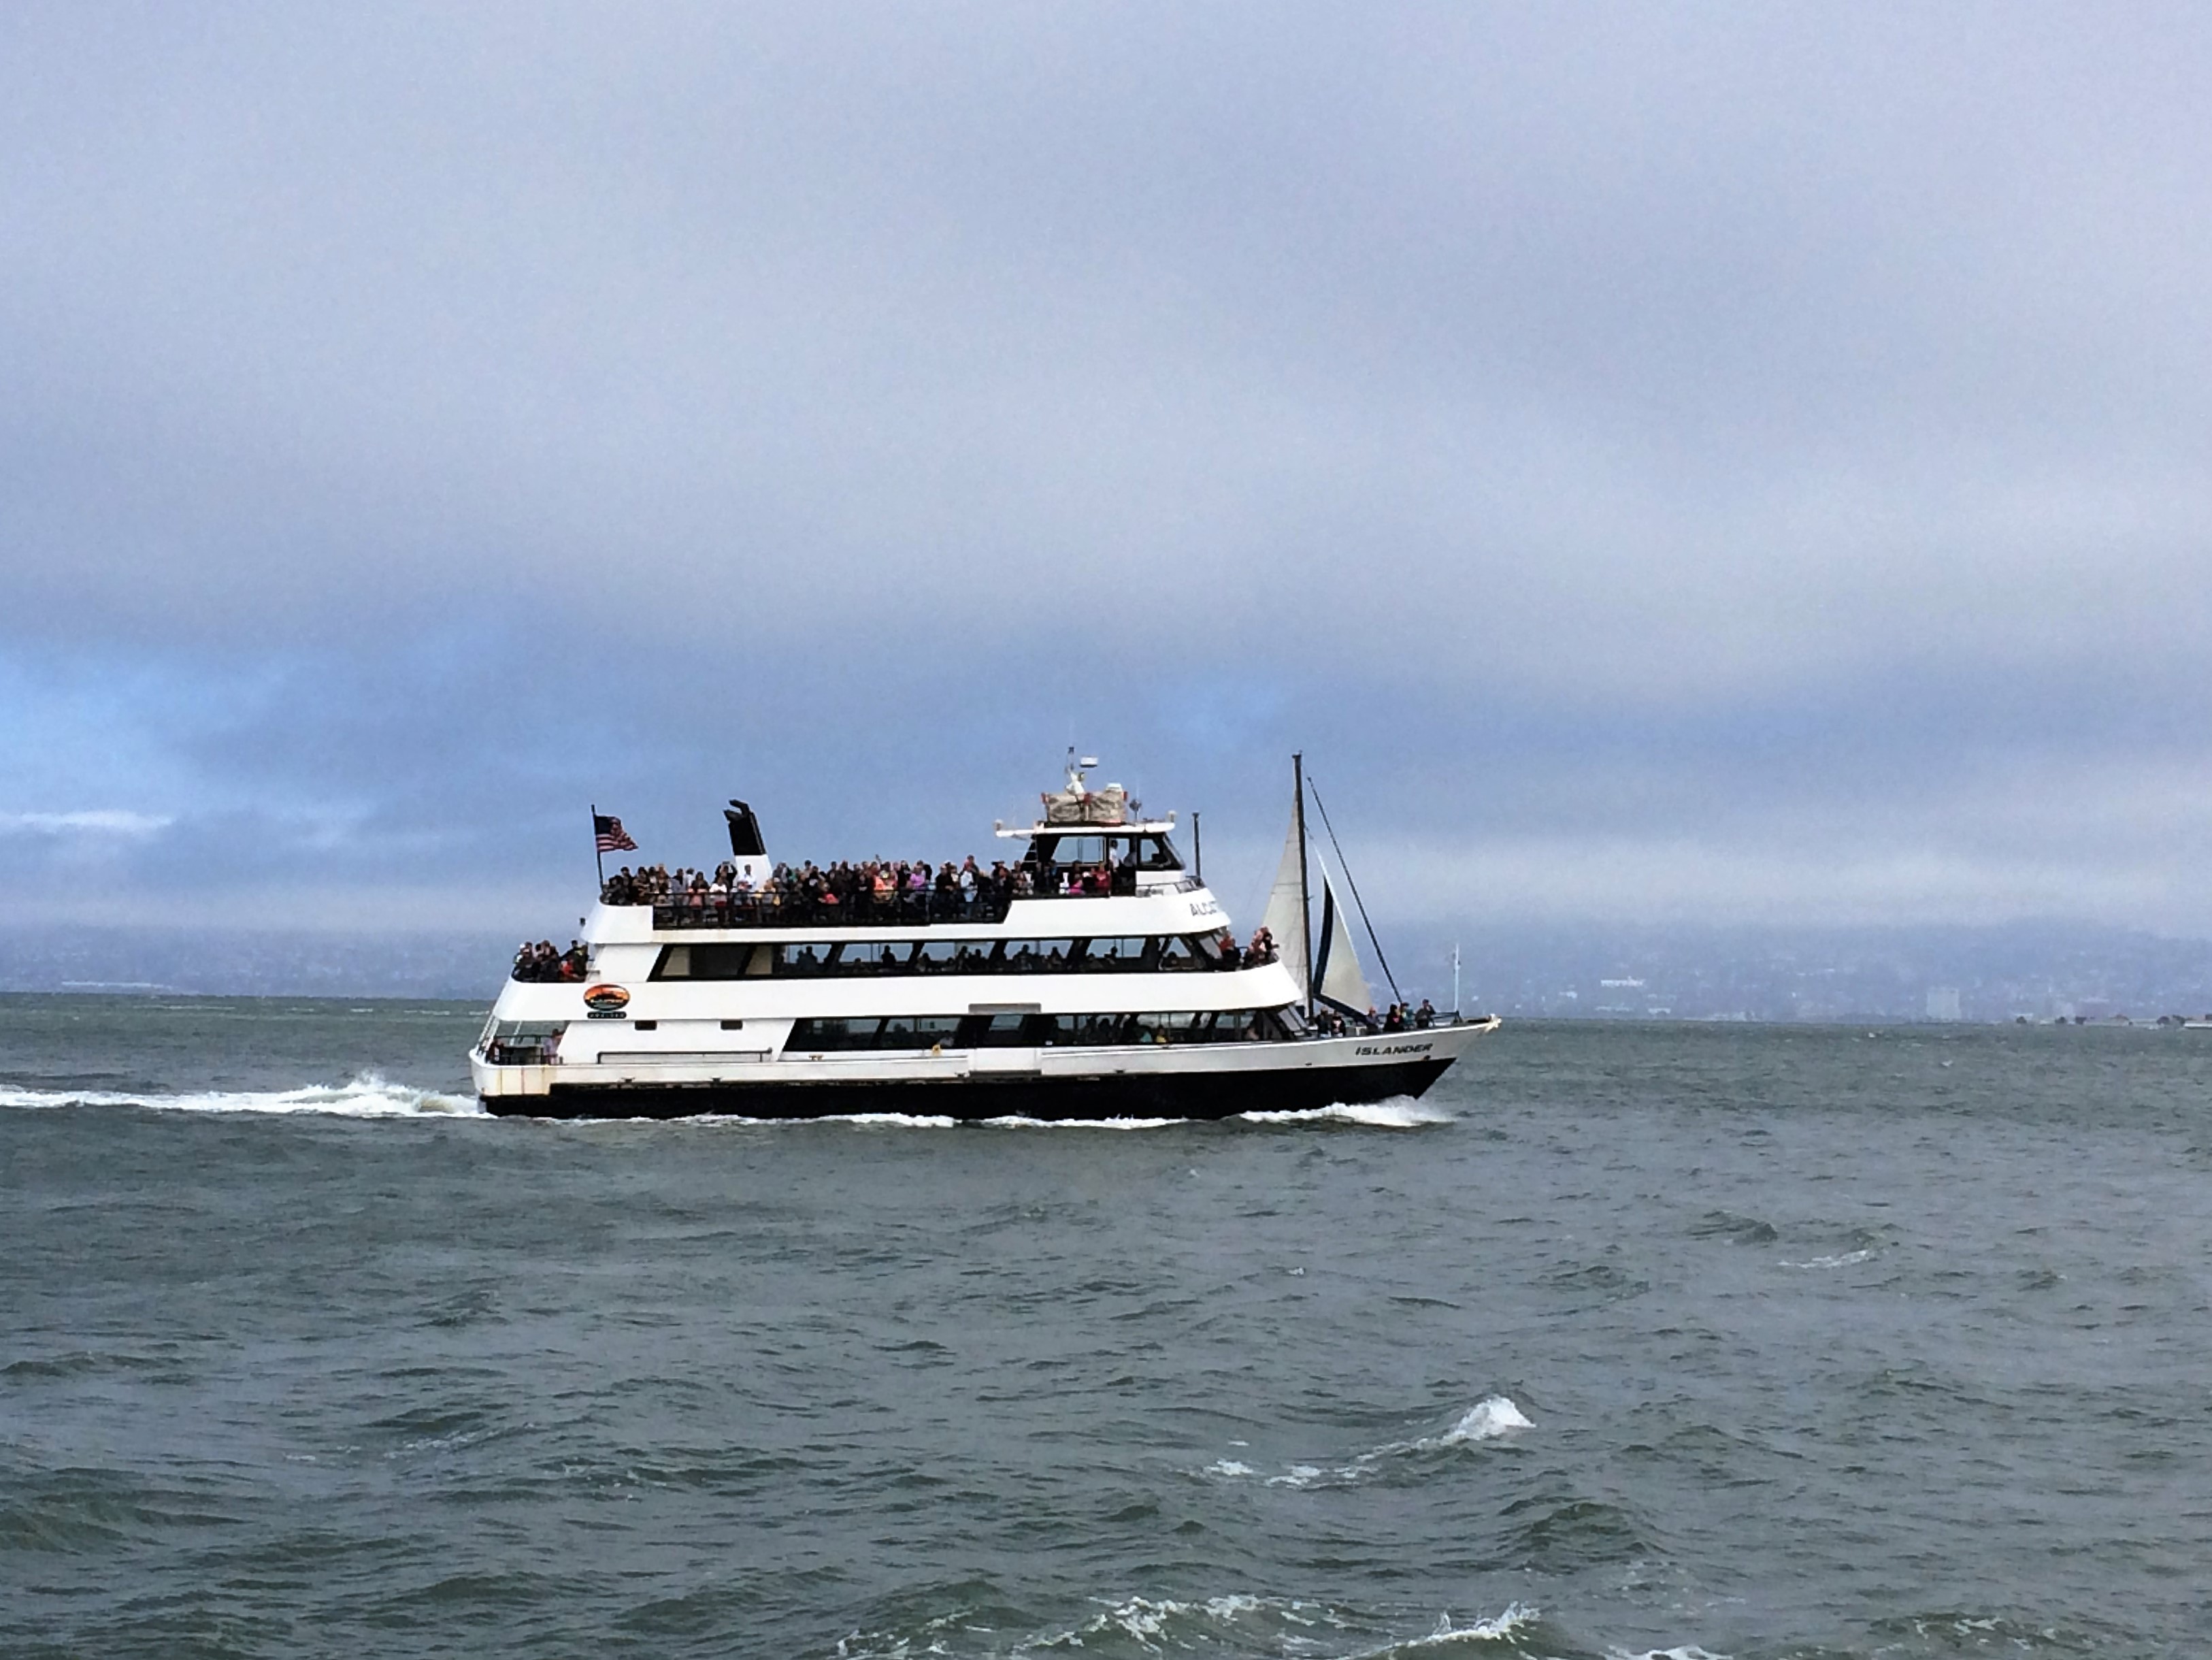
{"type": "Point", "coordinates": [1626, 1340]}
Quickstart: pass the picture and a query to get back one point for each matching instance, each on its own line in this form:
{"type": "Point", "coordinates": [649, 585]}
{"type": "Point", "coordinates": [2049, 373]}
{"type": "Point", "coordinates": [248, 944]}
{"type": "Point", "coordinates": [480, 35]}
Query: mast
{"type": "Point", "coordinates": [1305, 897]}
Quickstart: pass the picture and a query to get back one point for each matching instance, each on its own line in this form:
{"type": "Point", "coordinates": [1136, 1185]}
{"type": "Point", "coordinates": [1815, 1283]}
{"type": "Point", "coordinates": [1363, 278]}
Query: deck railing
{"type": "Point", "coordinates": [799, 907]}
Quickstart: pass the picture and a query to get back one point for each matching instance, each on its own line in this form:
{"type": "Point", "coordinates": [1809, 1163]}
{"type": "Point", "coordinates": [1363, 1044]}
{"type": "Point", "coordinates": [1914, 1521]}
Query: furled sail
{"type": "Point", "coordinates": [1286, 912]}
{"type": "Point", "coordinates": [1337, 979]}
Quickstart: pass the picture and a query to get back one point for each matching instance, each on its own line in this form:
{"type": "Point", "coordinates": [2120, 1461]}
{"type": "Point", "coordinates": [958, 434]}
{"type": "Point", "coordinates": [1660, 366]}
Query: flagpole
{"type": "Point", "coordinates": [598, 858]}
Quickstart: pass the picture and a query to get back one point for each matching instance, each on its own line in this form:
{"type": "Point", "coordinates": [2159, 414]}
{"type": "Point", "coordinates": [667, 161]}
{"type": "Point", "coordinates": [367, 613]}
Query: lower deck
{"type": "Point", "coordinates": [1142, 1082]}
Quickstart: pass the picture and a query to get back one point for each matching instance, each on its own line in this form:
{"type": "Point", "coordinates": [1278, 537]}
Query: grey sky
{"type": "Point", "coordinates": [1734, 463]}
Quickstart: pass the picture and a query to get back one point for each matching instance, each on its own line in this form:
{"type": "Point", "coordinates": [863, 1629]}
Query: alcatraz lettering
{"type": "Point", "coordinates": [1393, 1048]}
{"type": "Point", "coordinates": [1204, 907]}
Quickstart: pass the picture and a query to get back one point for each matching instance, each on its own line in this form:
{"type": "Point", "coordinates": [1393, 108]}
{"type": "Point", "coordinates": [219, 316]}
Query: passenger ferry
{"type": "Point", "coordinates": [1088, 976]}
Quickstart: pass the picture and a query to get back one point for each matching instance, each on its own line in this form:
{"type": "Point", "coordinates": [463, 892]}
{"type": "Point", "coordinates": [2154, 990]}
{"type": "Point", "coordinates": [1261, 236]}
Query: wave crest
{"type": "Point", "coordinates": [366, 1096]}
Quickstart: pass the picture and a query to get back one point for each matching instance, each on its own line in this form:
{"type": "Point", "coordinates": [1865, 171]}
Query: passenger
{"type": "Point", "coordinates": [1425, 1016]}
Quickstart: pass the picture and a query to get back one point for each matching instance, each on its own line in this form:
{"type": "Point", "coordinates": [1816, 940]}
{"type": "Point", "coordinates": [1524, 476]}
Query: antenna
{"type": "Point", "coordinates": [1455, 979]}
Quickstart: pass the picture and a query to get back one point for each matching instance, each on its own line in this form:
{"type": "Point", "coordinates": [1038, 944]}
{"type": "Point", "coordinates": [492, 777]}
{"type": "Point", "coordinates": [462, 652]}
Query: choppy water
{"type": "Point", "coordinates": [1756, 1342]}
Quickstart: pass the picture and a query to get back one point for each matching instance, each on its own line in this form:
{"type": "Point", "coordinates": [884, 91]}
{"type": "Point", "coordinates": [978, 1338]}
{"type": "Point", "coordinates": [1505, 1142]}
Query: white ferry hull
{"type": "Point", "coordinates": [1144, 1081]}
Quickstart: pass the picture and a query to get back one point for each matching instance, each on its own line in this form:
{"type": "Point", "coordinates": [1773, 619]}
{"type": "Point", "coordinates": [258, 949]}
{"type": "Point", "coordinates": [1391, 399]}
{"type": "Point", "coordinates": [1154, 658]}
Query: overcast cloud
{"type": "Point", "coordinates": [1712, 463]}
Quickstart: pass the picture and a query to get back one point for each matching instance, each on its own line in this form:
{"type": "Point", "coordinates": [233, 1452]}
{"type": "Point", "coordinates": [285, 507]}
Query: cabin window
{"type": "Point", "coordinates": [918, 1031]}
{"type": "Point", "coordinates": [1129, 953]}
{"type": "Point", "coordinates": [712, 962]}
{"type": "Point", "coordinates": [846, 957]}
{"type": "Point", "coordinates": [522, 1043]}
{"type": "Point", "coordinates": [935, 955]}
{"type": "Point", "coordinates": [1007, 1029]}
{"type": "Point", "coordinates": [900, 1032]}
{"type": "Point", "coordinates": [1014, 1027]}
{"type": "Point", "coordinates": [814, 1035]}
{"type": "Point", "coordinates": [1157, 853]}
{"type": "Point", "coordinates": [1081, 850]}
{"type": "Point", "coordinates": [1165, 1028]}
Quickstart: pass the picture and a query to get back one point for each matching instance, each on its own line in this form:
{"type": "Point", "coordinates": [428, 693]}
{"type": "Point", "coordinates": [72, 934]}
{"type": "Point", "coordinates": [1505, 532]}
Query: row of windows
{"type": "Point", "coordinates": [1087, 849]}
{"type": "Point", "coordinates": [803, 958]}
{"type": "Point", "coordinates": [1028, 1031]}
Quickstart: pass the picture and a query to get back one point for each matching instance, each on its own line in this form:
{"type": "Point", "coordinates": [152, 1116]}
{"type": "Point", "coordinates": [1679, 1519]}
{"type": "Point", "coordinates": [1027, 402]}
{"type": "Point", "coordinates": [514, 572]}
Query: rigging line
{"type": "Point", "coordinates": [1346, 867]}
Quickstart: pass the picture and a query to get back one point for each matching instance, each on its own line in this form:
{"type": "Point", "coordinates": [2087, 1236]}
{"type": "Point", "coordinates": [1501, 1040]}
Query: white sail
{"type": "Point", "coordinates": [1287, 915]}
{"type": "Point", "coordinates": [1338, 980]}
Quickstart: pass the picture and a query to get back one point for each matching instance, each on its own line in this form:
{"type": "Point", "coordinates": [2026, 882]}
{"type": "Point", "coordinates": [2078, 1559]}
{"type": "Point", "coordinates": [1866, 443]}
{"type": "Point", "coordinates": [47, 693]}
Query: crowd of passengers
{"type": "Point", "coordinates": [541, 962]}
{"type": "Point", "coordinates": [1399, 1018]}
{"type": "Point", "coordinates": [870, 886]}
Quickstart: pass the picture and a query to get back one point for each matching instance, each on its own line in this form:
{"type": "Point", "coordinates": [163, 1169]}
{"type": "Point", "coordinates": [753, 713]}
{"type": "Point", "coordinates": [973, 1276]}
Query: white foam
{"type": "Point", "coordinates": [1015, 1122]}
{"type": "Point", "coordinates": [366, 1096]}
{"type": "Point", "coordinates": [1446, 1635]}
{"type": "Point", "coordinates": [1688, 1652]}
{"type": "Point", "coordinates": [1146, 1618]}
{"type": "Point", "coordinates": [1491, 1419]}
{"type": "Point", "coordinates": [1400, 1112]}
{"type": "Point", "coordinates": [1843, 1261]}
{"type": "Point", "coordinates": [1485, 1420]}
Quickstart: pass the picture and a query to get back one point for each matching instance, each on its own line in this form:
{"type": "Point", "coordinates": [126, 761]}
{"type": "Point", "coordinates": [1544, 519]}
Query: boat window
{"type": "Point", "coordinates": [818, 1035]}
{"type": "Point", "coordinates": [1067, 1029]}
{"type": "Point", "coordinates": [1007, 1028]}
{"type": "Point", "coordinates": [713, 962]}
{"type": "Point", "coordinates": [935, 955]}
{"type": "Point", "coordinates": [1157, 853]}
{"type": "Point", "coordinates": [1180, 952]}
{"type": "Point", "coordinates": [918, 1031]}
{"type": "Point", "coordinates": [1010, 1028]}
{"type": "Point", "coordinates": [1165, 1028]}
{"type": "Point", "coordinates": [1081, 850]}
{"type": "Point", "coordinates": [1116, 953]}
{"type": "Point", "coordinates": [899, 1031]}
{"type": "Point", "coordinates": [522, 1043]}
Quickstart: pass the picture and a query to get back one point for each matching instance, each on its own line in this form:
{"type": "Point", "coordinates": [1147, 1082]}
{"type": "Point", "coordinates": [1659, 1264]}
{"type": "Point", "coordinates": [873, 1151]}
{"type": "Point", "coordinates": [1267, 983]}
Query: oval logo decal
{"type": "Point", "coordinates": [606, 999]}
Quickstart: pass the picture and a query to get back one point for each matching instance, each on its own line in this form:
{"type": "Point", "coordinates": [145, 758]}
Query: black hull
{"type": "Point", "coordinates": [1185, 1095]}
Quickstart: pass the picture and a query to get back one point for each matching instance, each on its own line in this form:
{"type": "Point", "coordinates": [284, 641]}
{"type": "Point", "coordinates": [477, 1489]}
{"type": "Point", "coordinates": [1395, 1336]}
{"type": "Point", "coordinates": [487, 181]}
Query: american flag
{"type": "Point", "coordinates": [612, 837]}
